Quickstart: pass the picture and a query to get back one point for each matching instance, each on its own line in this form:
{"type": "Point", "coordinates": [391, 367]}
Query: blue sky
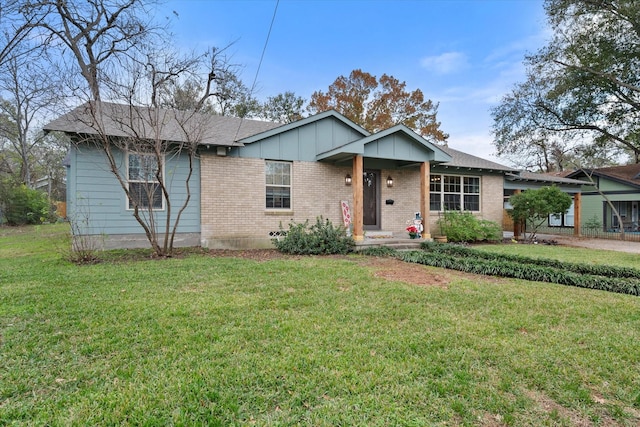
{"type": "Point", "coordinates": [464, 54]}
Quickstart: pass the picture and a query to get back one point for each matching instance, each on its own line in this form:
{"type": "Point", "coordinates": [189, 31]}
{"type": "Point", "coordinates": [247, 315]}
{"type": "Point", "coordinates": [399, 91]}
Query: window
{"type": "Point", "coordinates": [471, 193]}
{"type": "Point", "coordinates": [452, 192]}
{"type": "Point", "coordinates": [564, 220]}
{"type": "Point", "coordinates": [144, 187]}
{"type": "Point", "coordinates": [435, 190]}
{"type": "Point", "coordinates": [278, 180]}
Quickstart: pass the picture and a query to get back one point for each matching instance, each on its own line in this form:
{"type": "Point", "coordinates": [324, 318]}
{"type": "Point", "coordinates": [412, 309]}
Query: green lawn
{"type": "Point", "coordinates": [308, 341]}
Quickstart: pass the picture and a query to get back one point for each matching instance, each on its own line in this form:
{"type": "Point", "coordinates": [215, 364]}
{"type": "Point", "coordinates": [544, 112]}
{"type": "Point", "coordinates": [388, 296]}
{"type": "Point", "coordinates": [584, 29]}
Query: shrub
{"type": "Point", "coordinates": [593, 223]}
{"type": "Point", "coordinates": [23, 205]}
{"type": "Point", "coordinates": [590, 269]}
{"type": "Point", "coordinates": [379, 251]}
{"type": "Point", "coordinates": [605, 278]}
{"type": "Point", "coordinates": [465, 227]}
{"type": "Point", "coordinates": [534, 207]}
{"type": "Point", "coordinates": [322, 238]}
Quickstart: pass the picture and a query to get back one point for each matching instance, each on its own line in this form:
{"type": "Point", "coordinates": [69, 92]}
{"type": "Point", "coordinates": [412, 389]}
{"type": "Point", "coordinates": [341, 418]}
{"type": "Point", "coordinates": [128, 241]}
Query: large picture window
{"type": "Point", "coordinates": [144, 188]}
{"type": "Point", "coordinates": [278, 189]}
{"type": "Point", "coordinates": [454, 193]}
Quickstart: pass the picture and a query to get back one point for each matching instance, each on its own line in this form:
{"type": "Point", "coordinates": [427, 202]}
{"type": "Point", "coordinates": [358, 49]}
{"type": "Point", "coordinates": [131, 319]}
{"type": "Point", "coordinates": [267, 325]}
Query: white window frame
{"type": "Point", "coordinates": [281, 185]}
{"type": "Point", "coordinates": [461, 193]}
{"type": "Point", "coordinates": [129, 205]}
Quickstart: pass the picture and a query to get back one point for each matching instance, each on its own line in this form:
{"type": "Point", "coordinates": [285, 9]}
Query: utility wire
{"type": "Point", "coordinates": [264, 49]}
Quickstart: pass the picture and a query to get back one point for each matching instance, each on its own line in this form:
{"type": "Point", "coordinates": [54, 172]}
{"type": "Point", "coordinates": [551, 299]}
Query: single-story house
{"type": "Point", "coordinates": [250, 178]}
{"type": "Point", "coordinates": [621, 185]}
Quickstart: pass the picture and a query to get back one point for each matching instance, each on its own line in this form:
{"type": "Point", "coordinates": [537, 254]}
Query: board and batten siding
{"type": "Point", "coordinates": [98, 205]}
{"type": "Point", "coordinates": [302, 143]}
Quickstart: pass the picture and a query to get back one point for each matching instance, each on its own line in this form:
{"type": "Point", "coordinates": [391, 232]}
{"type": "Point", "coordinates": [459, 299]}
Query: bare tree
{"type": "Point", "coordinates": [16, 24]}
{"type": "Point", "coordinates": [25, 97]}
{"type": "Point", "coordinates": [98, 34]}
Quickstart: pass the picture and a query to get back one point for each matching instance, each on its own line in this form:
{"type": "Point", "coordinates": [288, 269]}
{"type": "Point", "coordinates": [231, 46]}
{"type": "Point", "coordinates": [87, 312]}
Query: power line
{"type": "Point", "coordinates": [264, 49]}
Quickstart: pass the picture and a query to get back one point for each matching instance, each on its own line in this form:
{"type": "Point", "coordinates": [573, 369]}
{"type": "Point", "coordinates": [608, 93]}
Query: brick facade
{"type": "Point", "coordinates": [233, 209]}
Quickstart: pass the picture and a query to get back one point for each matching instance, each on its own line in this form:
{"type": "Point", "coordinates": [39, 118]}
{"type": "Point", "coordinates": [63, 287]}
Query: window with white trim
{"type": "Point", "coordinates": [142, 179]}
{"type": "Point", "coordinates": [454, 193]}
{"type": "Point", "coordinates": [278, 185]}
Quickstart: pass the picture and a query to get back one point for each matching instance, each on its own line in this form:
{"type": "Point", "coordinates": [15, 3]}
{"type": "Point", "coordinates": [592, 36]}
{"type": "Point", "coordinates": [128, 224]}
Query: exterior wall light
{"type": "Point", "coordinates": [389, 181]}
{"type": "Point", "coordinates": [347, 180]}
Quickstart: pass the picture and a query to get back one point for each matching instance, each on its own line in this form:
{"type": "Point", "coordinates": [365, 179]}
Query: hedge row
{"type": "Point", "coordinates": [595, 270]}
{"type": "Point", "coordinates": [518, 270]}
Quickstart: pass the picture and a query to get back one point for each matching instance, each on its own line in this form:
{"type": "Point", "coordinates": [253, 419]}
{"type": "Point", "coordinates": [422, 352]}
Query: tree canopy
{"type": "Point", "coordinates": [582, 92]}
{"type": "Point", "coordinates": [377, 104]}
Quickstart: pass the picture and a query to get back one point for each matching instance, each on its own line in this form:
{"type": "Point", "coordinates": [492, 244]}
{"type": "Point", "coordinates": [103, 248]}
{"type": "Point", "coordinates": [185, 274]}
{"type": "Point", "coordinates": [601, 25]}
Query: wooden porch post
{"type": "Point", "coordinates": [577, 220]}
{"type": "Point", "coordinates": [358, 203]}
{"type": "Point", "coordinates": [516, 224]}
{"type": "Point", "coordinates": [425, 182]}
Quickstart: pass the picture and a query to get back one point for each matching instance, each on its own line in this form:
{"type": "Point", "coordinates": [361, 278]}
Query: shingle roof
{"type": "Point", "coordinates": [464, 160]}
{"type": "Point", "coordinates": [151, 123]}
{"type": "Point", "coordinates": [543, 177]}
{"type": "Point", "coordinates": [628, 174]}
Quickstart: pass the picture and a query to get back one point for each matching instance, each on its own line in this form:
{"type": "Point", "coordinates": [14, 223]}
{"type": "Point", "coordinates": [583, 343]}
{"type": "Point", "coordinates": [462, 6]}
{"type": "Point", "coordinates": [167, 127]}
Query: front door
{"type": "Point", "coordinates": [371, 198]}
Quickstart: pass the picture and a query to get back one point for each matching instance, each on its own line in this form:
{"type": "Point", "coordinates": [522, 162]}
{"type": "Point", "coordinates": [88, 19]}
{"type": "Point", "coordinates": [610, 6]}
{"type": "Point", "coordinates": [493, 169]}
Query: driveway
{"type": "Point", "coordinates": [605, 244]}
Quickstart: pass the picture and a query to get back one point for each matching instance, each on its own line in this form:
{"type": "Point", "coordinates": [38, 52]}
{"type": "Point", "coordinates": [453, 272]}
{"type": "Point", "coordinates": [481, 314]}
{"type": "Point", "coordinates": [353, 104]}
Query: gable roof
{"type": "Point", "coordinates": [150, 123]}
{"type": "Point", "coordinates": [280, 128]}
{"type": "Point", "coordinates": [408, 147]}
{"type": "Point", "coordinates": [628, 174]}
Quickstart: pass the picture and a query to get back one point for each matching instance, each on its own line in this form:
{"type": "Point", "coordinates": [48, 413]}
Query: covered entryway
{"type": "Point", "coordinates": [397, 148]}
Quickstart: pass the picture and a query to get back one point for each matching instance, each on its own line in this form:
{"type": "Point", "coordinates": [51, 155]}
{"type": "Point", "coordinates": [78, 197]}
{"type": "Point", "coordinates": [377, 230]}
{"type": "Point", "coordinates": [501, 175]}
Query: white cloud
{"type": "Point", "coordinates": [445, 63]}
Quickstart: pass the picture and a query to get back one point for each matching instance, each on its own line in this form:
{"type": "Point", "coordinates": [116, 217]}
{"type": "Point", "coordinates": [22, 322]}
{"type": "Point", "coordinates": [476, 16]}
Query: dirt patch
{"type": "Point", "coordinates": [400, 271]}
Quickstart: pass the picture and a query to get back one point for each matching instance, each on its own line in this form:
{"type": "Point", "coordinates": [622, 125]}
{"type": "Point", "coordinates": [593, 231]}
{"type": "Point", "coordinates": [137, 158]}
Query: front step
{"type": "Point", "coordinates": [396, 243]}
{"type": "Point", "coordinates": [378, 235]}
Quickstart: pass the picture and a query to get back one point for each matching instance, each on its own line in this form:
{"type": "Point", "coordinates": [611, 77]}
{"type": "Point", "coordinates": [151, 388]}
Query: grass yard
{"type": "Point", "coordinates": [207, 340]}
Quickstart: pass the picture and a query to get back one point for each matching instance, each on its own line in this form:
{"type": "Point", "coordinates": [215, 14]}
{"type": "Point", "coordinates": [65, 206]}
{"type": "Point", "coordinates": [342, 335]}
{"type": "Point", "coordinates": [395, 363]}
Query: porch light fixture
{"type": "Point", "coordinates": [347, 180]}
{"type": "Point", "coordinates": [389, 181]}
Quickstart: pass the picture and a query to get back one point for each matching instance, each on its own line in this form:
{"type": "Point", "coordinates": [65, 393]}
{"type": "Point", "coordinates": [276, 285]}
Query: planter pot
{"type": "Point", "coordinates": [414, 235]}
{"type": "Point", "coordinates": [440, 239]}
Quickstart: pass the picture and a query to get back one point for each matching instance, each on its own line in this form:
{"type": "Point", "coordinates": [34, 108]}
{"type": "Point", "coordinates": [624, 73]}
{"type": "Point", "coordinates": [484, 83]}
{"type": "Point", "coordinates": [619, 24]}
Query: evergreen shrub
{"type": "Point", "coordinates": [322, 238]}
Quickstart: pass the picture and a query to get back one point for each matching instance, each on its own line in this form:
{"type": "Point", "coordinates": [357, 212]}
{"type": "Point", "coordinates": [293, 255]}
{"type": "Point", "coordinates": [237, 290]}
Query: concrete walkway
{"type": "Point", "coordinates": [583, 242]}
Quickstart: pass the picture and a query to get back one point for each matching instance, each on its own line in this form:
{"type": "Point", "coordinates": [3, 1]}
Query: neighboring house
{"type": "Point", "coordinates": [251, 178]}
{"type": "Point", "coordinates": [524, 180]}
{"type": "Point", "coordinates": [619, 184]}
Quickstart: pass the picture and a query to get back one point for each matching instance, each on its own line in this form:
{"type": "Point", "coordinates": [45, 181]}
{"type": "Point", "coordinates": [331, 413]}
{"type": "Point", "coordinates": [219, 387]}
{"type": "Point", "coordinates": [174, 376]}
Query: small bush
{"type": "Point", "coordinates": [23, 205]}
{"type": "Point", "coordinates": [593, 223]}
{"type": "Point", "coordinates": [465, 227]}
{"type": "Point", "coordinates": [379, 251]}
{"type": "Point", "coordinates": [322, 238]}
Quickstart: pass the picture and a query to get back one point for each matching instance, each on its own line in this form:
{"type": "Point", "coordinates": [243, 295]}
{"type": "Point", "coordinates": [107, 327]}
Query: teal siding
{"type": "Point", "coordinates": [592, 202]}
{"type": "Point", "coordinates": [98, 204]}
{"type": "Point", "coordinates": [302, 143]}
{"type": "Point", "coordinates": [395, 146]}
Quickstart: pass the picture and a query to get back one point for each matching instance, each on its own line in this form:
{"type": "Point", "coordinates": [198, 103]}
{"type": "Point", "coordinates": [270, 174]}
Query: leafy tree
{"type": "Point", "coordinates": [22, 205]}
{"type": "Point", "coordinates": [582, 92]}
{"type": "Point", "coordinates": [283, 108]}
{"type": "Point", "coordinates": [533, 207]}
{"type": "Point", "coordinates": [233, 98]}
{"type": "Point", "coordinates": [377, 104]}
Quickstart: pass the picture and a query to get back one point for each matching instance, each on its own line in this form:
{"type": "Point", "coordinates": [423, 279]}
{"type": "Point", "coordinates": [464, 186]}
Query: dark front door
{"type": "Point", "coordinates": [371, 197]}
